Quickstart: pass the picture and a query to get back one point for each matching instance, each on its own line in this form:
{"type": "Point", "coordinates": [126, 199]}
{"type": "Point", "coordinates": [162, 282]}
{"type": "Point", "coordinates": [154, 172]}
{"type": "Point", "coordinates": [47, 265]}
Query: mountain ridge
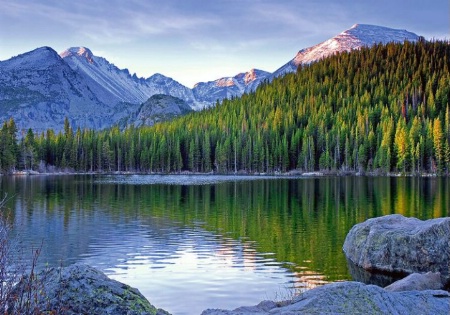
{"type": "Point", "coordinates": [41, 87]}
{"type": "Point", "coordinates": [228, 87]}
{"type": "Point", "coordinates": [119, 84]}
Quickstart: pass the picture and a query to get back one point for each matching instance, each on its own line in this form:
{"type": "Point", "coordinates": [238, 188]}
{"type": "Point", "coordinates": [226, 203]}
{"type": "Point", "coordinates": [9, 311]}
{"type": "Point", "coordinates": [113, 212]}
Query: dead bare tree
{"type": "Point", "coordinates": [7, 279]}
{"type": "Point", "coordinates": [20, 288]}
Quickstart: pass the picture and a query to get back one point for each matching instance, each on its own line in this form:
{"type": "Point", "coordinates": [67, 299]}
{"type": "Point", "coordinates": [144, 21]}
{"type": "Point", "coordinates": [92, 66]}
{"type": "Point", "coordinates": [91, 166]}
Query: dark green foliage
{"type": "Point", "coordinates": [8, 147]}
{"type": "Point", "coordinates": [382, 109]}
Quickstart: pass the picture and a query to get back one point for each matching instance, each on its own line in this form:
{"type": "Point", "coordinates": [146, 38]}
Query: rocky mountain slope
{"type": "Point", "coordinates": [158, 108]}
{"type": "Point", "coordinates": [118, 85]}
{"type": "Point", "coordinates": [40, 88]}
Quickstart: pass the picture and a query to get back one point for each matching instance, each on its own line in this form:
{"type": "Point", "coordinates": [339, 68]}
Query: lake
{"type": "Point", "coordinates": [194, 242]}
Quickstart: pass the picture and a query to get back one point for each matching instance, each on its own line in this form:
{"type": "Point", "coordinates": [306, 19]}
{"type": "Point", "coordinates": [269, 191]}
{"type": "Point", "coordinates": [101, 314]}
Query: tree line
{"type": "Point", "coordinates": [380, 109]}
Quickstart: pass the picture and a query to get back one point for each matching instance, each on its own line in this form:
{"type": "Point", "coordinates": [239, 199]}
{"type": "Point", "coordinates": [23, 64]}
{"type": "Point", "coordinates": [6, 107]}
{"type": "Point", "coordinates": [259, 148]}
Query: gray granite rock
{"type": "Point", "coordinates": [81, 289]}
{"type": "Point", "coordinates": [395, 244]}
{"type": "Point", "coordinates": [417, 281]}
{"type": "Point", "coordinates": [351, 298]}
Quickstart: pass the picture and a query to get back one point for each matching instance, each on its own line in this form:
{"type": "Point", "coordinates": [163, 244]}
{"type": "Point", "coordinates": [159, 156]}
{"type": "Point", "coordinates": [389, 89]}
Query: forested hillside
{"type": "Point", "coordinates": [384, 108]}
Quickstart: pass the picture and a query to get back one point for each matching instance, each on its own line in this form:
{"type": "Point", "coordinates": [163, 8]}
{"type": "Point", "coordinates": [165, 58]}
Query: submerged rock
{"type": "Point", "coordinates": [396, 244]}
{"type": "Point", "coordinates": [417, 281]}
{"type": "Point", "coordinates": [377, 278]}
{"type": "Point", "coordinates": [81, 289]}
{"type": "Point", "coordinates": [351, 298]}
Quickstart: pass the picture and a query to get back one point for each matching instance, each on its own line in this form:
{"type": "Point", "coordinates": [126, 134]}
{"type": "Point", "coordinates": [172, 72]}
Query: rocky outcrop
{"type": "Point", "coordinates": [157, 108]}
{"type": "Point", "coordinates": [395, 244]}
{"type": "Point", "coordinates": [352, 298]}
{"type": "Point", "coordinates": [81, 289]}
{"type": "Point", "coordinates": [417, 281]}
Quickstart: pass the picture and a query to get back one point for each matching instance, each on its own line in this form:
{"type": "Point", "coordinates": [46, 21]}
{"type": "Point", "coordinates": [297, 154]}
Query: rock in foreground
{"type": "Point", "coordinates": [352, 298]}
{"type": "Point", "coordinates": [81, 289]}
{"type": "Point", "coordinates": [396, 244]}
{"type": "Point", "coordinates": [417, 281]}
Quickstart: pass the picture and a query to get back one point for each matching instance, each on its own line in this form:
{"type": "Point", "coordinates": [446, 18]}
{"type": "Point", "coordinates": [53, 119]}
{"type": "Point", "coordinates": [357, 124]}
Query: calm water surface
{"type": "Point", "coordinates": [194, 242]}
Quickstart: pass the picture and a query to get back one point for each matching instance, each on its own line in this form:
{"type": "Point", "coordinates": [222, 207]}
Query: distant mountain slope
{"type": "Point", "coordinates": [359, 35]}
{"type": "Point", "coordinates": [157, 108]}
{"type": "Point", "coordinates": [229, 87]}
{"type": "Point", "coordinates": [119, 85]}
{"type": "Point", "coordinates": [38, 89]}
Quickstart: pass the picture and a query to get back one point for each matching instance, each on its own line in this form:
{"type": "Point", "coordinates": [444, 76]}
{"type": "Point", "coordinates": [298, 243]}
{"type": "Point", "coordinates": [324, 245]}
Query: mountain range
{"type": "Point", "coordinates": [40, 88]}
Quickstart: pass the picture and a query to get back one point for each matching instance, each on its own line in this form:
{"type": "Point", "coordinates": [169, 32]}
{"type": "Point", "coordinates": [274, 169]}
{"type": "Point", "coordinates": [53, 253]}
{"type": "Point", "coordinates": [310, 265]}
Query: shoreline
{"type": "Point", "coordinates": [290, 174]}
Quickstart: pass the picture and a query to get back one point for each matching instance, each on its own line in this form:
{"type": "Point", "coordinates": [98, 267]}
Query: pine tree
{"type": "Point", "coordinates": [438, 142]}
{"type": "Point", "coordinates": [401, 145]}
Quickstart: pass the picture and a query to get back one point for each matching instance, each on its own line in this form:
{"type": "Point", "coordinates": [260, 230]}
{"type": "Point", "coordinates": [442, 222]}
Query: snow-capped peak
{"type": "Point", "coordinates": [359, 35]}
{"type": "Point", "coordinates": [82, 52]}
{"type": "Point", "coordinates": [371, 34]}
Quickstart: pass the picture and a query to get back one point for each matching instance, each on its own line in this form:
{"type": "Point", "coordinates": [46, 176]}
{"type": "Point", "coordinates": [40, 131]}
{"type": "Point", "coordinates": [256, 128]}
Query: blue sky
{"type": "Point", "coordinates": [203, 40]}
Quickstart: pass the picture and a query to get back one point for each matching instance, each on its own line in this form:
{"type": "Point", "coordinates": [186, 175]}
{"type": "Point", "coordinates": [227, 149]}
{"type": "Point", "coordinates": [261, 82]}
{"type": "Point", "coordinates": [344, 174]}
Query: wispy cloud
{"type": "Point", "coordinates": [306, 19]}
{"type": "Point", "coordinates": [211, 24]}
{"type": "Point", "coordinates": [111, 21]}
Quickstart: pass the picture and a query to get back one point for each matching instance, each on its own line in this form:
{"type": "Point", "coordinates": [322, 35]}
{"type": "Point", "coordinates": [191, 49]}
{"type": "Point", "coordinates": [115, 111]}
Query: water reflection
{"type": "Point", "coordinates": [377, 278]}
{"type": "Point", "coordinates": [215, 243]}
{"type": "Point", "coordinates": [198, 268]}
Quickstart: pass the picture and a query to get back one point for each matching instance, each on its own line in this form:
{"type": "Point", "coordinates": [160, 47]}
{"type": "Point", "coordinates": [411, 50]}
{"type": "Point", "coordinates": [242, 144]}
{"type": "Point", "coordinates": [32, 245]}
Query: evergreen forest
{"type": "Point", "coordinates": [381, 109]}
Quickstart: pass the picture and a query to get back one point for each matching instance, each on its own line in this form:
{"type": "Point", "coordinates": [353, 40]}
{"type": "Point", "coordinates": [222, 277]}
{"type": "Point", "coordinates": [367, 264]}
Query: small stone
{"type": "Point", "coordinates": [417, 281]}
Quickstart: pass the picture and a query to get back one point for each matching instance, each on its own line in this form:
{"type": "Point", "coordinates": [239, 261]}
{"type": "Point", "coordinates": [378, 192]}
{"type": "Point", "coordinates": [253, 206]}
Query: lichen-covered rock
{"type": "Point", "coordinates": [417, 281]}
{"type": "Point", "coordinates": [81, 289]}
{"type": "Point", "coordinates": [396, 244]}
{"type": "Point", "coordinates": [351, 298]}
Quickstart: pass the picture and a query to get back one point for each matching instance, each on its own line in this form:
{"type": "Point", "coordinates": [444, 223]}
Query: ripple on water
{"type": "Point", "coordinates": [178, 258]}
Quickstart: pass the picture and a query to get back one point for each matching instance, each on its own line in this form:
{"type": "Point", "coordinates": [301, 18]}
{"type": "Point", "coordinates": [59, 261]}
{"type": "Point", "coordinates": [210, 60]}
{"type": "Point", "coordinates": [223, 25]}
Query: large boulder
{"type": "Point", "coordinates": [82, 289]}
{"type": "Point", "coordinates": [351, 298]}
{"type": "Point", "coordinates": [395, 244]}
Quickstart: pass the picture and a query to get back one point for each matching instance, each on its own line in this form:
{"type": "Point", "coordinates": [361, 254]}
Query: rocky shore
{"type": "Point", "coordinates": [390, 244]}
{"type": "Point", "coordinates": [352, 298]}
